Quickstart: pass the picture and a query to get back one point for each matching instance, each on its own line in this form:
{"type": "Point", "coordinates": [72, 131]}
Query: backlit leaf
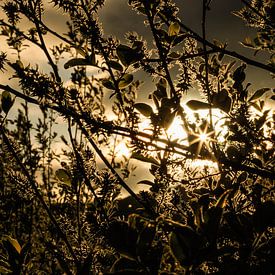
{"type": "Point", "coordinates": [14, 243]}
{"type": "Point", "coordinates": [248, 42]}
{"type": "Point", "coordinates": [222, 199]}
{"type": "Point", "coordinates": [63, 176]}
{"type": "Point", "coordinates": [174, 29]}
{"type": "Point", "coordinates": [125, 81]}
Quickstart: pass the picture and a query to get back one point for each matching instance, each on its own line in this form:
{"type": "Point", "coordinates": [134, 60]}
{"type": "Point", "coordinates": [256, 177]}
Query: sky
{"type": "Point", "coordinates": [117, 19]}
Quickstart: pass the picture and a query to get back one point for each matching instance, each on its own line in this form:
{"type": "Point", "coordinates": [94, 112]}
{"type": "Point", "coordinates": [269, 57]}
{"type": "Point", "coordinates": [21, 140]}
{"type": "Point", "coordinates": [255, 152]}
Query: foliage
{"type": "Point", "coordinates": [209, 206]}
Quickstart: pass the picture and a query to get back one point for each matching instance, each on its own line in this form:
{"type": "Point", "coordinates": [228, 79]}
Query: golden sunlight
{"type": "Point", "coordinates": [122, 150]}
{"type": "Point", "coordinates": [177, 131]}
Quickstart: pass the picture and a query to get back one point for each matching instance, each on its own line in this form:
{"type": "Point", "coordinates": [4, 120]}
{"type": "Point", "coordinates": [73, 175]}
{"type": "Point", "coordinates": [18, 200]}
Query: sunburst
{"type": "Point", "coordinates": [203, 137]}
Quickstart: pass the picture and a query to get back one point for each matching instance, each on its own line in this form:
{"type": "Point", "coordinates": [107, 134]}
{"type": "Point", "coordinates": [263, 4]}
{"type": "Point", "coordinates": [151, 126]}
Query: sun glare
{"type": "Point", "coordinates": [176, 130]}
{"type": "Point", "coordinates": [122, 150]}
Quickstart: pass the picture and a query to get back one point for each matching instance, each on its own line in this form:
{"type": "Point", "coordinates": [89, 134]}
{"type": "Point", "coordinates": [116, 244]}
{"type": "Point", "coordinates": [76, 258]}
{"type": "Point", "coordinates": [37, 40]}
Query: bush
{"type": "Point", "coordinates": [209, 203]}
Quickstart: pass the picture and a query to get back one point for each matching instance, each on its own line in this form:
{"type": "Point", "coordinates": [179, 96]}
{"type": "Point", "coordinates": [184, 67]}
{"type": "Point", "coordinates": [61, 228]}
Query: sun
{"type": "Point", "coordinates": [203, 137]}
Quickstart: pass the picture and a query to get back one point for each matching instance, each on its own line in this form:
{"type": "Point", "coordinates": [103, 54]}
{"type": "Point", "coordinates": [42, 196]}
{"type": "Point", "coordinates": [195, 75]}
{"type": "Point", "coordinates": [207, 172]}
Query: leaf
{"type": "Point", "coordinates": [239, 74]}
{"type": "Point", "coordinates": [222, 100]}
{"type": "Point", "coordinates": [174, 55]}
{"type": "Point", "coordinates": [256, 106]}
{"type": "Point", "coordinates": [81, 51]}
{"type": "Point", "coordinates": [179, 38]}
{"type": "Point", "coordinates": [222, 199]}
{"type": "Point", "coordinates": [6, 101]}
{"type": "Point", "coordinates": [127, 55]}
{"type": "Point", "coordinates": [146, 182]}
{"type": "Point", "coordinates": [125, 81]}
{"type": "Point", "coordinates": [77, 62]}
{"type": "Point", "coordinates": [14, 243]}
{"type": "Point", "coordinates": [258, 94]}
{"type": "Point", "coordinates": [63, 176]}
{"type": "Point", "coordinates": [115, 65]}
{"type": "Point", "coordinates": [144, 158]}
{"type": "Point", "coordinates": [167, 118]}
{"type": "Point", "coordinates": [174, 29]}
{"type": "Point", "coordinates": [108, 84]}
{"type": "Point", "coordinates": [197, 105]}
{"type": "Point", "coordinates": [144, 109]}
{"type": "Point", "coordinates": [162, 83]}
{"type": "Point", "coordinates": [248, 43]}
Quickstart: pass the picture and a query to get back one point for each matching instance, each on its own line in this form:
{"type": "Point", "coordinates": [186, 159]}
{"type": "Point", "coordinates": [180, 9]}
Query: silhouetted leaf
{"type": "Point", "coordinates": [197, 105]}
{"type": "Point", "coordinates": [108, 84]}
{"type": "Point", "coordinates": [239, 74]}
{"type": "Point", "coordinates": [127, 55]}
{"type": "Point", "coordinates": [144, 109]}
{"type": "Point", "coordinates": [258, 94]}
{"type": "Point", "coordinates": [211, 222]}
{"type": "Point", "coordinates": [115, 65]}
{"type": "Point", "coordinates": [146, 182]}
{"type": "Point", "coordinates": [167, 118]}
{"type": "Point", "coordinates": [179, 38]}
{"type": "Point", "coordinates": [160, 93]}
{"type": "Point", "coordinates": [222, 100]}
{"type": "Point", "coordinates": [78, 62]}
{"type": "Point", "coordinates": [6, 101]}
